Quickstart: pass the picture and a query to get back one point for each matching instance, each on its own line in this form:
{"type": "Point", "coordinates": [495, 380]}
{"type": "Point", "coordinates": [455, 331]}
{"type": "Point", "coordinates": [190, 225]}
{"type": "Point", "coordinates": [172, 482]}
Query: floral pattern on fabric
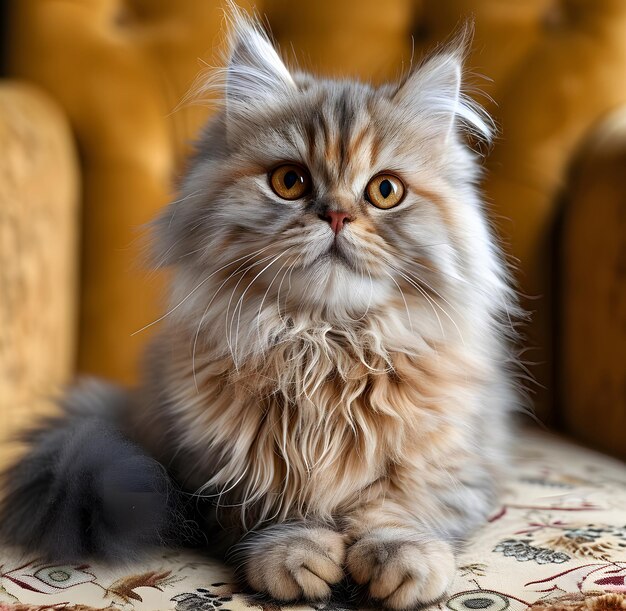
{"type": "Point", "coordinates": [559, 535]}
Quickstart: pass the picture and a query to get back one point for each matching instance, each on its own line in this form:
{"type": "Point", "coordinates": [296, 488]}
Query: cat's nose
{"type": "Point", "coordinates": [336, 220]}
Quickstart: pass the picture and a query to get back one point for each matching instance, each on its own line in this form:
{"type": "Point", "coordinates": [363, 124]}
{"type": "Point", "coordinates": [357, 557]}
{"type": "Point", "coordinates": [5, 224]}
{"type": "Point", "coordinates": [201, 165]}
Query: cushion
{"type": "Point", "coordinates": [557, 541]}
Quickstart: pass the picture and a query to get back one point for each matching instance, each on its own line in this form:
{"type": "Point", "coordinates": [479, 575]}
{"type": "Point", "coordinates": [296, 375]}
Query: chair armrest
{"type": "Point", "coordinates": [38, 254]}
{"type": "Point", "coordinates": [593, 291]}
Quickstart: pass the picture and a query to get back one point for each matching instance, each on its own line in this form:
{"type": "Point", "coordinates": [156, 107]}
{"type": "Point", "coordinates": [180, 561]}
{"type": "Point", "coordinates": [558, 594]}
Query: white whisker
{"type": "Point", "coordinates": [243, 294]}
{"type": "Point", "coordinates": [180, 303]}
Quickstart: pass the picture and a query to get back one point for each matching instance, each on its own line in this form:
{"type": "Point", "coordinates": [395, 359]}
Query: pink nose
{"type": "Point", "coordinates": [336, 220]}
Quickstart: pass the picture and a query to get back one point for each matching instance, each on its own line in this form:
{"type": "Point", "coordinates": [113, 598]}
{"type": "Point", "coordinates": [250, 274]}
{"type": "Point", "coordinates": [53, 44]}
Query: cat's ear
{"type": "Point", "coordinates": [434, 91]}
{"type": "Point", "coordinates": [255, 74]}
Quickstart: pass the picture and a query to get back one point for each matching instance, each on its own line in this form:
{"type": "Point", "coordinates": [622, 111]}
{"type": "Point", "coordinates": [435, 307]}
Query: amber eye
{"type": "Point", "coordinates": [290, 181]}
{"type": "Point", "coordinates": [384, 191]}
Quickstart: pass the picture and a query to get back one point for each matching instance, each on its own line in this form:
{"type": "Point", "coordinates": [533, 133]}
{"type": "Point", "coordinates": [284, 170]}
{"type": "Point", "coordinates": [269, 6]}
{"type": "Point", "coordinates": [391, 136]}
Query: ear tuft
{"type": "Point", "coordinates": [435, 89]}
{"type": "Point", "coordinates": [255, 72]}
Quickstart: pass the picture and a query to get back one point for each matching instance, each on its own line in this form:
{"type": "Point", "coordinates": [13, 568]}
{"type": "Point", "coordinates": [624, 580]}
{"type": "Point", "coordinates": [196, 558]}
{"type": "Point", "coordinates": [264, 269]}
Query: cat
{"type": "Point", "coordinates": [333, 377]}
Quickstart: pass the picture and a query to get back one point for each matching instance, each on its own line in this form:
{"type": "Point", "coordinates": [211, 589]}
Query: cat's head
{"type": "Point", "coordinates": [332, 195]}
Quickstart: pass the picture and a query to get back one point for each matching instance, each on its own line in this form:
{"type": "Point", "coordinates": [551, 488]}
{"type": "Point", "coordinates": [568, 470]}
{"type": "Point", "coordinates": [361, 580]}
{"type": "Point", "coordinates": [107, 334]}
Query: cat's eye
{"type": "Point", "coordinates": [290, 181]}
{"type": "Point", "coordinates": [384, 191]}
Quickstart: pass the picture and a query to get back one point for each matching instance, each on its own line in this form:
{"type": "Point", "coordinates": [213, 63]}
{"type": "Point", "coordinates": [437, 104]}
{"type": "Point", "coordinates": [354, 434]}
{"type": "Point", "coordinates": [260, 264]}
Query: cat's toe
{"type": "Point", "coordinates": [298, 563]}
{"type": "Point", "coordinates": [401, 571]}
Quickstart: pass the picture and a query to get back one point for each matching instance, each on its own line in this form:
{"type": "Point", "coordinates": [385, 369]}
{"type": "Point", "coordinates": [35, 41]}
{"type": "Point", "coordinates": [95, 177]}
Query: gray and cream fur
{"type": "Point", "coordinates": [333, 374]}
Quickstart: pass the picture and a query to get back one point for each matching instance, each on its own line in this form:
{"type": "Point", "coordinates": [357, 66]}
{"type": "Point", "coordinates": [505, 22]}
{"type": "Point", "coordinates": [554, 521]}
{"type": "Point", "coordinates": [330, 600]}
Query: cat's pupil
{"type": "Point", "coordinates": [290, 179]}
{"type": "Point", "coordinates": [385, 188]}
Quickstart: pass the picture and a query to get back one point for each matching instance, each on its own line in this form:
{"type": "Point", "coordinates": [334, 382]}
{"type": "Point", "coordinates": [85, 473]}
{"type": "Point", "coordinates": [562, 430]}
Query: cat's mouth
{"type": "Point", "coordinates": [337, 252]}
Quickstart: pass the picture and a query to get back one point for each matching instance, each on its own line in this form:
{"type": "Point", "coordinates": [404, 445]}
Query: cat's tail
{"type": "Point", "coordinates": [83, 489]}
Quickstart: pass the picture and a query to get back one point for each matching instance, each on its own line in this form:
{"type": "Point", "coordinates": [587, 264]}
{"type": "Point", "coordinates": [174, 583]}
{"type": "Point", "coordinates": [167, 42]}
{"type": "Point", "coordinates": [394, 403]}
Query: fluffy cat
{"type": "Point", "coordinates": [333, 375]}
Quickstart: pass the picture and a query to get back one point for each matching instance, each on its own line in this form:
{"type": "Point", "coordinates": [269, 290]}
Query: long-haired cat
{"type": "Point", "coordinates": [332, 375]}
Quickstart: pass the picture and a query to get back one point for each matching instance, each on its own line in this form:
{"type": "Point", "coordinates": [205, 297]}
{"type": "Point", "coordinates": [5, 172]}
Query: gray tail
{"type": "Point", "coordinates": [83, 489]}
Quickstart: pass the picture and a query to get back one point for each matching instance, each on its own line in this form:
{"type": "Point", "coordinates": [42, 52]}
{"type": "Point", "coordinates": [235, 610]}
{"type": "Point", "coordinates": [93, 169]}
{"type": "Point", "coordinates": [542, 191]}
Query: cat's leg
{"type": "Point", "coordinates": [403, 563]}
{"type": "Point", "coordinates": [292, 561]}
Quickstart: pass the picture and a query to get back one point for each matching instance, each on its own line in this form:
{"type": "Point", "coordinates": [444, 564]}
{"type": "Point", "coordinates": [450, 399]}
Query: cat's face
{"type": "Point", "coordinates": [342, 187]}
{"type": "Point", "coordinates": [330, 194]}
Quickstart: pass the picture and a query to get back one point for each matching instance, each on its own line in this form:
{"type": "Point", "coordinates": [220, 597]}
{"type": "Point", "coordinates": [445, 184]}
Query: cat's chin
{"type": "Point", "coordinates": [336, 262]}
{"type": "Point", "coordinates": [334, 283]}
{"type": "Point", "coordinates": [337, 254]}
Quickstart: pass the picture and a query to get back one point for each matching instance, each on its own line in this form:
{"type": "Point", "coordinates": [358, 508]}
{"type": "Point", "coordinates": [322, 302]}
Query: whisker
{"type": "Point", "coordinates": [425, 295]}
{"type": "Point", "coordinates": [232, 295]}
{"type": "Point", "coordinates": [172, 310]}
{"type": "Point", "coordinates": [430, 288]}
{"type": "Point", "coordinates": [289, 271]}
{"type": "Point", "coordinates": [416, 283]}
{"type": "Point", "coordinates": [206, 310]}
{"type": "Point", "coordinates": [179, 201]}
{"type": "Point", "coordinates": [241, 298]}
{"type": "Point", "coordinates": [403, 299]}
{"type": "Point", "coordinates": [369, 300]}
{"type": "Point", "coordinates": [258, 316]}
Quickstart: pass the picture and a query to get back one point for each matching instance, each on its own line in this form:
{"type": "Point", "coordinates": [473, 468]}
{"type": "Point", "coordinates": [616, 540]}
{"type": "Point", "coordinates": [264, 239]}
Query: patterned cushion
{"type": "Point", "coordinates": [560, 534]}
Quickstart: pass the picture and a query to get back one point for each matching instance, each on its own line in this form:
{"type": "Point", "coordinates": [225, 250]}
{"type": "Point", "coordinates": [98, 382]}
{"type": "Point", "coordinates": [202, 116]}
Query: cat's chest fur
{"type": "Point", "coordinates": [312, 424]}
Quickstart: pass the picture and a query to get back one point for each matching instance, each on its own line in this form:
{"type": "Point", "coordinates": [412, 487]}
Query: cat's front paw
{"type": "Point", "coordinates": [402, 570]}
{"type": "Point", "coordinates": [292, 562]}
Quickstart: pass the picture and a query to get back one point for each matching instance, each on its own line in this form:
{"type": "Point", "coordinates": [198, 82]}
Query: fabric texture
{"type": "Point", "coordinates": [557, 542]}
